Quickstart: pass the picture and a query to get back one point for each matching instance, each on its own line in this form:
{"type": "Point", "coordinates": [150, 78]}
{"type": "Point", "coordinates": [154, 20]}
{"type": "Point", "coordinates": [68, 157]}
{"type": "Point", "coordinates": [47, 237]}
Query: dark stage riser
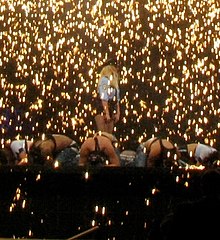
{"type": "Point", "coordinates": [37, 202]}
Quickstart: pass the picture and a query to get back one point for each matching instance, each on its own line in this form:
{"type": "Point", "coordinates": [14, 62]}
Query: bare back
{"type": "Point", "coordinates": [105, 146]}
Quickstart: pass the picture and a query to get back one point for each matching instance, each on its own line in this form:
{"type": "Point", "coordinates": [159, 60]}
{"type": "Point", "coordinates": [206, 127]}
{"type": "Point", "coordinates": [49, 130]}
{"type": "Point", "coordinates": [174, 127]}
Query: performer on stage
{"type": "Point", "coordinates": [199, 154]}
{"type": "Point", "coordinates": [15, 152]}
{"type": "Point", "coordinates": [157, 152]}
{"type": "Point", "coordinates": [99, 150]}
{"type": "Point", "coordinates": [108, 98]}
{"type": "Point", "coordinates": [49, 149]}
{"type": "Point", "coordinates": [20, 149]}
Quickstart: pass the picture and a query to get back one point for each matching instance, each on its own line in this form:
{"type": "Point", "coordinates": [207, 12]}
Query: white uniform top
{"type": "Point", "coordinates": [106, 92]}
{"type": "Point", "coordinates": [18, 146]}
{"type": "Point", "coordinates": [203, 152]}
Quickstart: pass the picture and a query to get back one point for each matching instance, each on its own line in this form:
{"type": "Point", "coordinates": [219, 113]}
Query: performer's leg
{"type": "Point", "coordinates": [100, 122]}
{"type": "Point", "coordinates": [102, 125]}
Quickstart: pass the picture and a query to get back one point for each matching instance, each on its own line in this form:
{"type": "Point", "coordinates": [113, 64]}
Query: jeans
{"type": "Point", "coordinates": [140, 159]}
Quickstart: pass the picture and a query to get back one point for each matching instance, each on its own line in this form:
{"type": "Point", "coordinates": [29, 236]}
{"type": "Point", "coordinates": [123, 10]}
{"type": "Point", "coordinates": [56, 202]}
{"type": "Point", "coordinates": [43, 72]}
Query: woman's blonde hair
{"type": "Point", "coordinates": [110, 72]}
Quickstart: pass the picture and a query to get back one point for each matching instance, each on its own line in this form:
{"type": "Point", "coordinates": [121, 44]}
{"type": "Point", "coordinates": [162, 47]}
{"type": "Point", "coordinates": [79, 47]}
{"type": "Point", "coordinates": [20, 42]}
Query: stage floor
{"type": "Point", "coordinates": [121, 203]}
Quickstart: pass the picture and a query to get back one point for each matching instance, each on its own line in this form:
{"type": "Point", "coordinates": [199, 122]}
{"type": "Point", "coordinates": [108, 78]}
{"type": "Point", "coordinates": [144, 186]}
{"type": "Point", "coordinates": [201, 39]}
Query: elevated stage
{"type": "Point", "coordinates": [103, 203]}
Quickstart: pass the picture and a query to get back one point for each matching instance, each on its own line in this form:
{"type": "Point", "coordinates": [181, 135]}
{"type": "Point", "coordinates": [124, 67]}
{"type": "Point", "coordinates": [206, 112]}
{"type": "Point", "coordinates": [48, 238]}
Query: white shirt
{"type": "Point", "coordinates": [203, 152]}
{"type": "Point", "coordinates": [18, 146]}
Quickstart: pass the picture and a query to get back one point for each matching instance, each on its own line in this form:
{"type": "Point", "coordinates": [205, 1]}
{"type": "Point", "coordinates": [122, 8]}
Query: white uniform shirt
{"type": "Point", "coordinates": [18, 146]}
{"type": "Point", "coordinates": [203, 152]}
{"type": "Point", "coordinates": [106, 92]}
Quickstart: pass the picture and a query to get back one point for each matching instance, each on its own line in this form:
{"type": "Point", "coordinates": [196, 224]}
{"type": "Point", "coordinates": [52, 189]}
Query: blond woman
{"type": "Point", "coordinates": [108, 99]}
